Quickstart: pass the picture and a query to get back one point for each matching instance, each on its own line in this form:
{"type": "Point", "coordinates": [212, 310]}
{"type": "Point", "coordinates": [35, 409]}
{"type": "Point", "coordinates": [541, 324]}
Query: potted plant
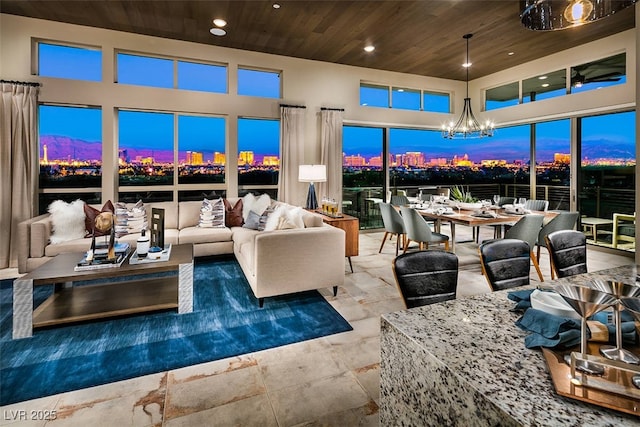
{"type": "Point", "coordinates": [464, 199]}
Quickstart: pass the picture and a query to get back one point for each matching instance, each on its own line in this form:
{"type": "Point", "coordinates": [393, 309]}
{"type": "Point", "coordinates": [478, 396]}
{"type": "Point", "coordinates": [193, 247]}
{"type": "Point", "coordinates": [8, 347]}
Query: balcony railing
{"type": "Point", "coordinates": [598, 202]}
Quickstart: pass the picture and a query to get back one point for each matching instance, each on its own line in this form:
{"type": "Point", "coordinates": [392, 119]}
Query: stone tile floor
{"type": "Point", "coordinates": [330, 381]}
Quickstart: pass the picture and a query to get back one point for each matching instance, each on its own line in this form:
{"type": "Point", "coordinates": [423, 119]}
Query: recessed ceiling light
{"type": "Point", "coordinates": [510, 53]}
{"type": "Point", "coordinates": [217, 31]}
{"type": "Point", "coordinates": [276, 6]}
{"type": "Point", "coordinates": [545, 84]}
{"type": "Point", "coordinates": [219, 22]}
{"type": "Point", "coordinates": [543, 77]}
{"type": "Point", "coordinates": [466, 64]}
{"type": "Point", "coordinates": [400, 90]}
{"type": "Point", "coordinates": [369, 48]}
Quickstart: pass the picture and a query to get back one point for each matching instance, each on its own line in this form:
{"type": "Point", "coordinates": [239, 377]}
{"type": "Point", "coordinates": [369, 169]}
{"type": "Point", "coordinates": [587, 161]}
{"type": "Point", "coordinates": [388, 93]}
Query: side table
{"type": "Point", "coordinates": [351, 227]}
{"type": "Point", "coordinates": [591, 224]}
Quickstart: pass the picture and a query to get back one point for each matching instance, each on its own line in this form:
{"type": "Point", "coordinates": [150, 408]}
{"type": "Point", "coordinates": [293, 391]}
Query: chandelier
{"type": "Point", "coordinates": [547, 15]}
{"type": "Point", "coordinates": [467, 125]}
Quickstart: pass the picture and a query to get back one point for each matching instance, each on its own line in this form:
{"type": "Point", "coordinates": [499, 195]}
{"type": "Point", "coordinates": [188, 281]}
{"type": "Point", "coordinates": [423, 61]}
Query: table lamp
{"type": "Point", "coordinates": [311, 174]}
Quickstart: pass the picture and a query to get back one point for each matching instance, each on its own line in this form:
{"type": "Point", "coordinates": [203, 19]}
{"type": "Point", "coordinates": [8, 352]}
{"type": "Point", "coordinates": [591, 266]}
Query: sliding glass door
{"type": "Point", "coordinates": [363, 184]}
{"type": "Point", "coordinates": [607, 179]}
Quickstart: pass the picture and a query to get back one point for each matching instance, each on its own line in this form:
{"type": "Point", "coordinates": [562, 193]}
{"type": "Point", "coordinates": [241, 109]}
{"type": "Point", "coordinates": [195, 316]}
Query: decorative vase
{"type": "Point", "coordinates": [142, 245]}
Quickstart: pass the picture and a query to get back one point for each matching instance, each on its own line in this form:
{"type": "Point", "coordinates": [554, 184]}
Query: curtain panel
{"type": "Point", "coordinates": [291, 152]}
{"type": "Point", "coordinates": [19, 153]}
{"type": "Point", "coordinates": [331, 154]}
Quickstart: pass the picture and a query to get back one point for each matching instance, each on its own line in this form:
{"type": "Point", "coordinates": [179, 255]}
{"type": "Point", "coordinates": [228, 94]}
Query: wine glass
{"type": "Point", "coordinates": [618, 290]}
{"type": "Point", "coordinates": [522, 201]}
{"type": "Point", "coordinates": [586, 301]}
{"type": "Point", "coordinates": [496, 199]}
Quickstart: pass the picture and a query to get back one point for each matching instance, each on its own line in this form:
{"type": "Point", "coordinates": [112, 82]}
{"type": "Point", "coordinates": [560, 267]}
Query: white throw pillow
{"type": "Point", "coordinates": [258, 205]}
{"type": "Point", "coordinates": [274, 218]}
{"type": "Point", "coordinates": [284, 218]}
{"type": "Point", "coordinates": [67, 220]}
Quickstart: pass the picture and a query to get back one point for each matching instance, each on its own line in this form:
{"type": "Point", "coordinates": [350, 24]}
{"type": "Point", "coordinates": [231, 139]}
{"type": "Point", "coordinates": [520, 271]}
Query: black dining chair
{"type": "Point", "coordinates": [426, 277]}
{"type": "Point", "coordinates": [567, 252]}
{"type": "Point", "coordinates": [505, 263]}
{"type": "Point", "coordinates": [527, 229]}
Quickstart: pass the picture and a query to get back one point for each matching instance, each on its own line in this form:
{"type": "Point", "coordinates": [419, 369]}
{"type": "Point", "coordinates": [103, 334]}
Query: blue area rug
{"type": "Point", "coordinates": [226, 322]}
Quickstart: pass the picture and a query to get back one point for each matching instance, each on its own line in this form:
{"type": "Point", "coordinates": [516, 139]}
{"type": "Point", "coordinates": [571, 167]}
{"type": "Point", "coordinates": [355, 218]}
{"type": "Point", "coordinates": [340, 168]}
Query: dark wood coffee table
{"type": "Point", "coordinates": [73, 304]}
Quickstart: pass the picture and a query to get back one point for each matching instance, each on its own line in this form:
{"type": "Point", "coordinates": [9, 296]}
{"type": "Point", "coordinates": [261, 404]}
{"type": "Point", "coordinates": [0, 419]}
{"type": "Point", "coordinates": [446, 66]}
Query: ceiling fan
{"type": "Point", "coordinates": [610, 69]}
{"type": "Point", "coordinates": [578, 79]}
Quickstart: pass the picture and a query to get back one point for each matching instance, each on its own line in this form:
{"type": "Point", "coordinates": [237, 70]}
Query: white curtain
{"type": "Point", "coordinates": [18, 163]}
{"type": "Point", "coordinates": [291, 152]}
{"type": "Point", "coordinates": [331, 154]}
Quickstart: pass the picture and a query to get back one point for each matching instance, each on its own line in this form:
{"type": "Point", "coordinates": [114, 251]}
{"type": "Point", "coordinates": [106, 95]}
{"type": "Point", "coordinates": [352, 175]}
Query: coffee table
{"type": "Point", "coordinates": [112, 298]}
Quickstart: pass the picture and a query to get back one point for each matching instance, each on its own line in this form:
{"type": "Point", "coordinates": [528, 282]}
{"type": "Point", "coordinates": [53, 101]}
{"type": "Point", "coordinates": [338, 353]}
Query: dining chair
{"type": "Point", "coordinates": [399, 200]}
{"type": "Point", "coordinates": [506, 200]}
{"type": "Point", "coordinates": [527, 229]}
{"type": "Point", "coordinates": [537, 205]}
{"type": "Point", "coordinates": [624, 228]}
{"type": "Point", "coordinates": [505, 263]}
{"type": "Point", "coordinates": [393, 225]}
{"type": "Point", "coordinates": [567, 252]}
{"type": "Point", "coordinates": [426, 277]}
{"type": "Point", "coordinates": [562, 221]}
{"type": "Point", "coordinates": [418, 230]}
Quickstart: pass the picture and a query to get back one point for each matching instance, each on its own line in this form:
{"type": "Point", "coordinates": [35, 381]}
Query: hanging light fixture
{"type": "Point", "coordinates": [467, 125]}
{"type": "Point", "coordinates": [548, 15]}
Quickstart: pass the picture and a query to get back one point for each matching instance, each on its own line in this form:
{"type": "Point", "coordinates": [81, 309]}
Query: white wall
{"type": "Point", "coordinates": [311, 83]}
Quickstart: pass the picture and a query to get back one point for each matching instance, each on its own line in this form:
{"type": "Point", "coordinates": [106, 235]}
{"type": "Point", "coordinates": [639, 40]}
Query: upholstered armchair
{"type": "Point", "coordinates": [624, 228]}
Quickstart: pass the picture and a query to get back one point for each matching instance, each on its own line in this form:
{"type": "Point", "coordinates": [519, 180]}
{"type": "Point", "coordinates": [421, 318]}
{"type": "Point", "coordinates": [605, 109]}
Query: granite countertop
{"type": "Point", "coordinates": [476, 338]}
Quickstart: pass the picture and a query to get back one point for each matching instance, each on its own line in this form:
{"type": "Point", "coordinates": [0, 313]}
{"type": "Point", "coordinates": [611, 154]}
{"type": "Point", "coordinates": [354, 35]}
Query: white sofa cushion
{"type": "Point", "coordinates": [204, 235]}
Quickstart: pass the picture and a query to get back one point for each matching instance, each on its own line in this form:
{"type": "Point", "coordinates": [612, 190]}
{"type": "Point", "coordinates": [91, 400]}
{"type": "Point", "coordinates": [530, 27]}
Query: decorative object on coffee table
{"type": "Point", "coordinates": [157, 227]}
{"type": "Point", "coordinates": [142, 245]}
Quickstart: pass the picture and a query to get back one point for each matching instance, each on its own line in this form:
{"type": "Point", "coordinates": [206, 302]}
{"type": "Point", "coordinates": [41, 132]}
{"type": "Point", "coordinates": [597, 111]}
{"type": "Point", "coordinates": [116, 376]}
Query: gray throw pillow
{"type": "Point", "coordinates": [252, 221]}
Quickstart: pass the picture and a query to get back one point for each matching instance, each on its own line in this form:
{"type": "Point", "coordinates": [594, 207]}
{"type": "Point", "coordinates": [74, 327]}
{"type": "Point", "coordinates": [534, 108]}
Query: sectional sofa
{"type": "Point", "coordinates": [274, 262]}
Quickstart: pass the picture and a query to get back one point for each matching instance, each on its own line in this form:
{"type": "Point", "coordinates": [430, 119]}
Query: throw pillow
{"type": "Point", "coordinates": [256, 204]}
{"type": "Point", "coordinates": [137, 218]}
{"type": "Point", "coordinates": [67, 220]}
{"type": "Point", "coordinates": [233, 214]}
{"type": "Point", "coordinates": [212, 214]}
{"type": "Point", "coordinates": [122, 220]}
{"type": "Point", "coordinates": [253, 221]}
{"type": "Point", "coordinates": [265, 217]}
{"type": "Point", "coordinates": [284, 218]}
{"type": "Point", "coordinates": [90, 217]}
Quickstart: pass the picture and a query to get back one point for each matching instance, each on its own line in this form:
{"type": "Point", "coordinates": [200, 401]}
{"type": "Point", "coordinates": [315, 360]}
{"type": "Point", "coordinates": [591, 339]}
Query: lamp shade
{"type": "Point", "coordinates": [312, 173]}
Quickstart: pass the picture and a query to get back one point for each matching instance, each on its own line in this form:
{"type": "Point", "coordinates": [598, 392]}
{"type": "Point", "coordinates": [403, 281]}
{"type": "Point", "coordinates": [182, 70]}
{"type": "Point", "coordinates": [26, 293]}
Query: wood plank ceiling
{"type": "Point", "coordinates": [419, 37]}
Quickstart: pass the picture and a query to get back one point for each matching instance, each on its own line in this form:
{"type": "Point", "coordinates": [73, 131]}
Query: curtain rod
{"type": "Point", "coordinates": [15, 82]}
{"type": "Point", "coordinates": [331, 109]}
{"type": "Point", "coordinates": [292, 106]}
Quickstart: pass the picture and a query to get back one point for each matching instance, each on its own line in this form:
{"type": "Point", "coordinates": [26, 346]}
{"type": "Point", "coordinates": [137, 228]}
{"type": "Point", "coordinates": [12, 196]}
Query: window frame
{"type": "Point", "coordinates": [280, 74]}
{"type": "Point", "coordinates": [36, 60]}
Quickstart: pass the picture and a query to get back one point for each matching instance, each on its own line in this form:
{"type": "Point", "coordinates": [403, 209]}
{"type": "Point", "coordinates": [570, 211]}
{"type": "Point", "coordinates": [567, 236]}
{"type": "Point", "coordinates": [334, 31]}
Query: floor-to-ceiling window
{"type": "Point", "coordinates": [553, 155]}
{"type": "Point", "coordinates": [363, 174]}
{"type": "Point", "coordinates": [607, 173]}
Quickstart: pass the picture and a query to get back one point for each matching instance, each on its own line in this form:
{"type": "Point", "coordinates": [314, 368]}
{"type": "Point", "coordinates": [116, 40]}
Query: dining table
{"type": "Point", "coordinates": [473, 218]}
